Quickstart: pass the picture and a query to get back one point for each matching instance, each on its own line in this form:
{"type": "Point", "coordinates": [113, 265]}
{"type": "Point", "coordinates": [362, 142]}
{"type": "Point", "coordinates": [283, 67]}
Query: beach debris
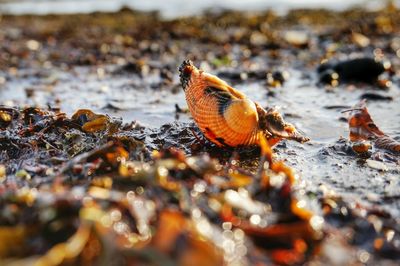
{"type": "Point", "coordinates": [360, 39]}
{"type": "Point", "coordinates": [297, 38]}
{"type": "Point", "coordinates": [363, 129]}
{"type": "Point", "coordinates": [365, 70]}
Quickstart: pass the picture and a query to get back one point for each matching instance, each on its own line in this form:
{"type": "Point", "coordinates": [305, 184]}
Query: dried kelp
{"type": "Point", "coordinates": [103, 205]}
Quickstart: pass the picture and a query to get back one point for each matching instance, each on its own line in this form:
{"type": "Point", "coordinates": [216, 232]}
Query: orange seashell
{"type": "Point", "coordinates": [363, 129]}
{"type": "Point", "coordinates": [226, 116]}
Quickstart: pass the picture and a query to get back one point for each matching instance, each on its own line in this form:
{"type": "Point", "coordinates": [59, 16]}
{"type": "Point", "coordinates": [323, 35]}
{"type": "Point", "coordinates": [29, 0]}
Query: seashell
{"type": "Point", "coordinates": [226, 116]}
{"type": "Point", "coordinates": [363, 128]}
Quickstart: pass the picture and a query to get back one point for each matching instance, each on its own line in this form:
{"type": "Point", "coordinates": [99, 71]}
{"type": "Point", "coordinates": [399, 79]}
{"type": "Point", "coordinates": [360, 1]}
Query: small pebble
{"type": "Point", "coordinates": [376, 165]}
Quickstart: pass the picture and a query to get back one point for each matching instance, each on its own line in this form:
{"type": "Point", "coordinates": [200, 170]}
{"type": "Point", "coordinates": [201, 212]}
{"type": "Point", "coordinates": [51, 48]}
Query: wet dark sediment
{"type": "Point", "coordinates": [90, 177]}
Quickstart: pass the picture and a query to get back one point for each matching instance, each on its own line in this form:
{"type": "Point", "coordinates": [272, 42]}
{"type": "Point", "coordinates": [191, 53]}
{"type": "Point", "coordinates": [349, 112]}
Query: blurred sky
{"type": "Point", "coordinates": [174, 8]}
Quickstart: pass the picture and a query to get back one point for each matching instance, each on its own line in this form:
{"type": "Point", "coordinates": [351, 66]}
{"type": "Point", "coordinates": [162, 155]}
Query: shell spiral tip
{"type": "Point", "coordinates": [185, 71]}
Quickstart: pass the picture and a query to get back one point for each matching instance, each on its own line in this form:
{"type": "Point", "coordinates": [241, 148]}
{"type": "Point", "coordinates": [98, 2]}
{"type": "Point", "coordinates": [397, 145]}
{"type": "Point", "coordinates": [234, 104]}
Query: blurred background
{"type": "Point", "coordinates": [176, 8]}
